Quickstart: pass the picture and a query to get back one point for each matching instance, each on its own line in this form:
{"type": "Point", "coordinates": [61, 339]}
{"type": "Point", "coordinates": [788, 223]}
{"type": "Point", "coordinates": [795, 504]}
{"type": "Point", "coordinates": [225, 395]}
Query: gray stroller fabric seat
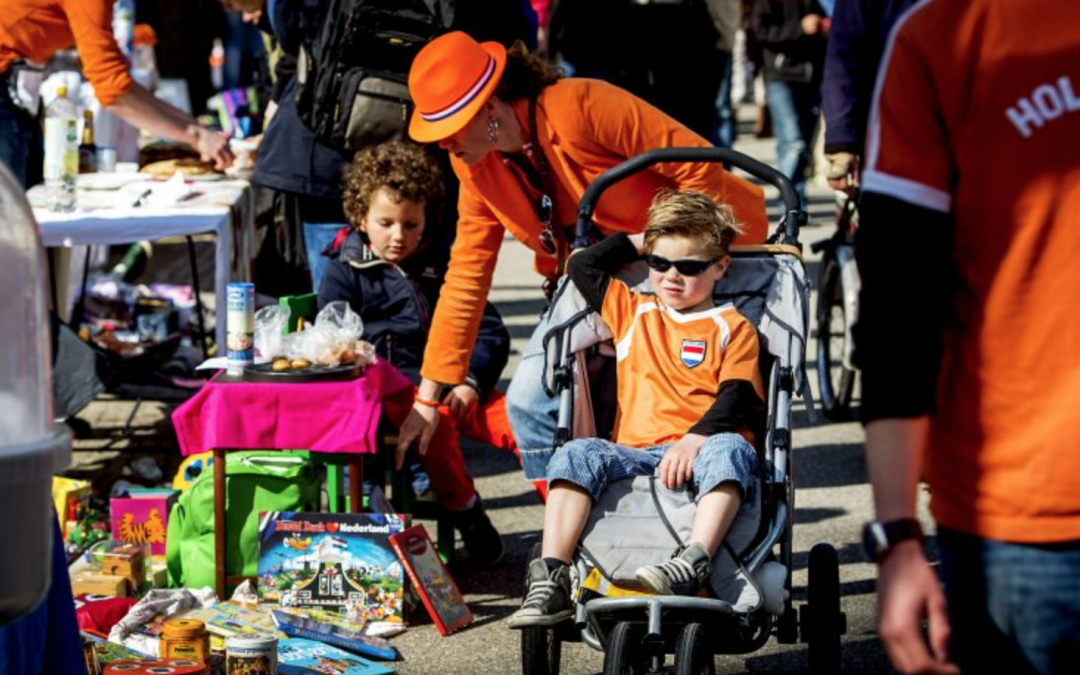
{"type": "Point", "coordinates": [640, 522]}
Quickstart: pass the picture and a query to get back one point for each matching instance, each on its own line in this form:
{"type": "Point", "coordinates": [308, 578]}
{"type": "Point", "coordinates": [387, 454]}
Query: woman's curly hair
{"type": "Point", "coordinates": [405, 170]}
{"type": "Point", "coordinates": [526, 74]}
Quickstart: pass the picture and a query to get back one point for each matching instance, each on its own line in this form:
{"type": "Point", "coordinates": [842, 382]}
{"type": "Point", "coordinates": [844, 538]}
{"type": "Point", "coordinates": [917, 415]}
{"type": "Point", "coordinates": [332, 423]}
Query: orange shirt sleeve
{"type": "Point", "coordinates": [102, 61]}
{"type": "Point", "coordinates": [908, 155]}
{"type": "Point", "coordinates": [628, 126]}
{"type": "Point", "coordinates": [464, 293]}
{"type": "Point", "coordinates": [619, 308]}
{"type": "Point", "coordinates": [740, 360]}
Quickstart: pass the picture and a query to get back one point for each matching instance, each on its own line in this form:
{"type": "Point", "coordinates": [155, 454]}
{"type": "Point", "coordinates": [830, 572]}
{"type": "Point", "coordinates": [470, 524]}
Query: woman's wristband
{"type": "Point", "coordinates": [426, 401]}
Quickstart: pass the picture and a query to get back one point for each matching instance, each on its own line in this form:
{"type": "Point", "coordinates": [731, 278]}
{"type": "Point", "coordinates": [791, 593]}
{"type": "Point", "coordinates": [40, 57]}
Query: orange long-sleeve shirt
{"type": "Point", "coordinates": [588, 127]}
{"type": "Point", "coordinates": [37, 29]}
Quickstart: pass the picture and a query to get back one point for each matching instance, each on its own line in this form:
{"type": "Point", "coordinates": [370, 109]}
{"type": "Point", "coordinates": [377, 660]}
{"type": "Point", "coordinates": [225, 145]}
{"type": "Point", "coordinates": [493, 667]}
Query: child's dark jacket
{"type": "Point", "coordinates": [397, 303]}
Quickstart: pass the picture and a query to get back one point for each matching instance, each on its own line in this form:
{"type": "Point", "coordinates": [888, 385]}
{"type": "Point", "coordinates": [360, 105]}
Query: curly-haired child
{"type": "Point", "coordinates": [389, 268]}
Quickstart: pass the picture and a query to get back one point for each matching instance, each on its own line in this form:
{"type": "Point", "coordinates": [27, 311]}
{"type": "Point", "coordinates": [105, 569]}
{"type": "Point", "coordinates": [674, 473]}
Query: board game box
{"type": "Point", "coordinates": [338, 562]}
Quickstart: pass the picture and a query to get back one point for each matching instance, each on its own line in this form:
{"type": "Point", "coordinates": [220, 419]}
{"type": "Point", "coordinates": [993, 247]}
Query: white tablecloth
{"type": "Point", "coordinates": [224, 207]}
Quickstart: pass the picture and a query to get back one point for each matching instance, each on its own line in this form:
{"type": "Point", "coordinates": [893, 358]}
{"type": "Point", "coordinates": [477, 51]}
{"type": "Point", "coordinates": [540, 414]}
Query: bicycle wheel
{"type": "Point", "coordinates": [837, 383]}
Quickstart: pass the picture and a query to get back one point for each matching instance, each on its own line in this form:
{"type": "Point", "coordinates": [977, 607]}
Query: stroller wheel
{"type": "Point", "coordinates": [624, 655]}
{"type": "Point", "coordinates": [541, 651]}
{"type": "Point", "coordinates": [837, 383]}
{"type": "Point", "coordinates": [541, 648]}
{"type": "Point", "coordinates": [692, 653]}
{"type": "Point", "coordinates": [822, 622]}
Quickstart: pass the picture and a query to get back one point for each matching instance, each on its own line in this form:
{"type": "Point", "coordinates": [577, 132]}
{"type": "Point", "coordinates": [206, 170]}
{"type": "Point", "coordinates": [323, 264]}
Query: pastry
{"type": "Point", "coordinates": [280, 364]}
{"type": "Point", "coordinates": [190, 166]}
{"type": "Point", "coordinates": [297, 364]}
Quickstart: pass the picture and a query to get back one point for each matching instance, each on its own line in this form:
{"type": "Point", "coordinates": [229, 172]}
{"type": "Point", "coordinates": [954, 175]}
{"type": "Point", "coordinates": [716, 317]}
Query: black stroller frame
{"type": "Point", "coordinates": [636, 633]}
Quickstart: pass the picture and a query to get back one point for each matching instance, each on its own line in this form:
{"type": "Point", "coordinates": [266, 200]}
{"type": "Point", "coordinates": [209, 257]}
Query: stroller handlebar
{"type": "Point", "coordinates": [794, 216]}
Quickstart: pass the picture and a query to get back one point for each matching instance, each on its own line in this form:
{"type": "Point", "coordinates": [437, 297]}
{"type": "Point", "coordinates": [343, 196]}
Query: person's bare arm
{"type": "Point", "coordinates": [908, 590]}
{"type": "Point", "coordinates": [141, 109]}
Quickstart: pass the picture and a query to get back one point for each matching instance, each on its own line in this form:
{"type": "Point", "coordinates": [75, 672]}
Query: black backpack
{"type": "Point", "coordinates": [353, 91]}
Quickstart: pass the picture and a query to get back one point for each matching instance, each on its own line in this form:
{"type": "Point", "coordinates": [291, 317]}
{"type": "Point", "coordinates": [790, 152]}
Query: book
{"type": "Point", "coordinates": [333, 629]}
{"type": "Point", "coordinates": [299, 656]}
{"type": "Point", "coordinates": [431, 579]}
{"type": "Point", "coordinates": [341, 563]}
{"type": "Point", "coordinates": [225, 620]}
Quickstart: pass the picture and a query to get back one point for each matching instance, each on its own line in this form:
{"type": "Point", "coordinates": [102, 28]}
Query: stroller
{"type": "Point", "coordinates": [639, 521]}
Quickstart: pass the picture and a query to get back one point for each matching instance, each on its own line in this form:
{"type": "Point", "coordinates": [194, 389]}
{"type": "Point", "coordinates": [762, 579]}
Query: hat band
{"type": "Point", "coordinates": [466, 99]}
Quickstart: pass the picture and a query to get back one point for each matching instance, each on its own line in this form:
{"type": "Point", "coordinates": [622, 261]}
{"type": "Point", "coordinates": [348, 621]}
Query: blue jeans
{"type": "Point", "coordinates": [317, 237]}
{"type": "Point", "coordinates": [532, 413]}
{"type": "Point", "coordinates": [794, 107]}
{"type": "Point", "coordinates": [724, 133]}
{"type": "Point", "coordinates": [593, 463]}
{"type": "Point", "coordinates": [1014, 608]}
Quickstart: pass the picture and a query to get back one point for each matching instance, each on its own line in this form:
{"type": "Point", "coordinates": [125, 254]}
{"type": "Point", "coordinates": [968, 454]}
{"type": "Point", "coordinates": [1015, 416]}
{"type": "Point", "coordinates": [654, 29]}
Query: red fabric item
{"type": "Point", "coordinates": [339, 239]}
{"type": "Point", "coordinates": [450, 479]}
{"type": "Point", "coordinates": [322, 417]}
{"type": "Point", "coordinates": [100, 614]}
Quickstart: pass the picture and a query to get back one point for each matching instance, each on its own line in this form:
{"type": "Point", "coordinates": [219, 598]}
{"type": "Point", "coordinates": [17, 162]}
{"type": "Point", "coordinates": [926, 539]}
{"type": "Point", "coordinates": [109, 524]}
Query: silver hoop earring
{"type": "Point", "coordinates": [493, 129]}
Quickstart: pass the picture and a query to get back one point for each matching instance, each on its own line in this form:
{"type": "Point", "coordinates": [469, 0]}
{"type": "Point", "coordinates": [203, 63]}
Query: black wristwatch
{"type": "Point", "coordinates": [879, 538]}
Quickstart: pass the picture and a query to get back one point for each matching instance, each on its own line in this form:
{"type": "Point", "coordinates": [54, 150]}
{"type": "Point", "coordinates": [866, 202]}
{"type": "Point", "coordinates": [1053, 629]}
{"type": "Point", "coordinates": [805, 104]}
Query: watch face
{"type": "Point", "coordinates": [874, 540]}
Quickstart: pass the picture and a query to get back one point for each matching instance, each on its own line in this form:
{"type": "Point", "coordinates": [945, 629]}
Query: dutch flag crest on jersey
{"type": "Point", "coordinates": [692, 352]}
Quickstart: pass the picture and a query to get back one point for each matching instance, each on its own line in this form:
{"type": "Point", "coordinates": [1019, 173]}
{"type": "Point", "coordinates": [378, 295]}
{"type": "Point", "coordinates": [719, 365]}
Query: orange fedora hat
{"type": "Point", "coordinates": [450, 80]}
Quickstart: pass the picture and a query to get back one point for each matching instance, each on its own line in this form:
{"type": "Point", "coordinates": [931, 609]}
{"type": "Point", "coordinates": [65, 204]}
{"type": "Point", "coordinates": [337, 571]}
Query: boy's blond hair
{"type": "Point", "coordinates": [405, 170]}
{"type": "Point", "coordinates": [694, 215]}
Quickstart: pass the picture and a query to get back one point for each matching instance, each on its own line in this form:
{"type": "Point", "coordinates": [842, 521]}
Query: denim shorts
{"type": "Point", "coordinates": [593, 463]}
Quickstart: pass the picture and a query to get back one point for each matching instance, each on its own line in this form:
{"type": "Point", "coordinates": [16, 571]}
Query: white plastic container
{"type": "Point", "coordinates": [31, 447]}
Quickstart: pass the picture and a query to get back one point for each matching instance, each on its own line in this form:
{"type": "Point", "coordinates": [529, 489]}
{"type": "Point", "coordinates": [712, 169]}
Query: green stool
{"type": "Point", "coordinates": [304, 309]}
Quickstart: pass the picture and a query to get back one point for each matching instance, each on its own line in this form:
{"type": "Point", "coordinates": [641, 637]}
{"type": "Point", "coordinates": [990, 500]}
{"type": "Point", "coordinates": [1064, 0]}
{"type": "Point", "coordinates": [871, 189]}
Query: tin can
{"type": "Point", "coordinates": [251, 655]}
{"type": "Point", "coordinates": [240, 326]}
{"type": "Point", "coordinates": [185, 639]}
{"type": "Point", "coordinates": [106, 159]}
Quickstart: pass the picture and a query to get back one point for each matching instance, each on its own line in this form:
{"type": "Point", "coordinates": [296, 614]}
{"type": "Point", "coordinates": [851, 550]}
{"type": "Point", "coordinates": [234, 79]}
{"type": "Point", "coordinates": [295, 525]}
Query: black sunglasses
{"type": "Point", "coordinates": [688, 267]}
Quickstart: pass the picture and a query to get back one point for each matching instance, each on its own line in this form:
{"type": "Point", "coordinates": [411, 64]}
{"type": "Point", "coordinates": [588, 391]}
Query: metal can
{"type": "Point", "coordinates": [240, 326]}
{"type": "Point", "coordinates": [251, 655]}
{"type": "Point", "coordinates": [184, 639]}
{"type": "Point", "coordinates": [106, 159]}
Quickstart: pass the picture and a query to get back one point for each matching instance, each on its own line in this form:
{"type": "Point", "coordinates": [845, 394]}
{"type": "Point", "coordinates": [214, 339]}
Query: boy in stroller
{"type": "Point", "coordinates": [688, 386]}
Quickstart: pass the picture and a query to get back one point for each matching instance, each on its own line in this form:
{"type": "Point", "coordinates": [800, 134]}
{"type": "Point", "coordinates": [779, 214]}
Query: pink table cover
{"type": "Point", "coordinates": [323, 417]}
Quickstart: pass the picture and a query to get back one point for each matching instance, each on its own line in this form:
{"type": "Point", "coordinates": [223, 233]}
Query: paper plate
{"type": "Point", "coordinates": [108, 181]}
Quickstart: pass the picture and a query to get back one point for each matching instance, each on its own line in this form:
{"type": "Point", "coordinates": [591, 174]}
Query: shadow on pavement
{"type": "Point", "coordinates": [816, 515]}
{"type": "Point", "coordinates": [830, 465]}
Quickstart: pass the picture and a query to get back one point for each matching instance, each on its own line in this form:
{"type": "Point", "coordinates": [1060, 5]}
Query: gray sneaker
{"type": "Point", "coordinates": [685, 574]}
{"type": "Point", "coordinates": [548, 600]}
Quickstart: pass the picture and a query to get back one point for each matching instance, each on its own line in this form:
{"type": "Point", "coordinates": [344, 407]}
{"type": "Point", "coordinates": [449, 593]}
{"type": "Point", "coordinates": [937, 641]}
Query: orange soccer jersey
{"type": "Point", "coordinates": [671, 365]}
{"type": "Point", "coordinates": [977, 115]}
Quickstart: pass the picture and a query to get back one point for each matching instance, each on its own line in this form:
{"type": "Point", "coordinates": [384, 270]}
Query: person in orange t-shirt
{"type": "Point", "coordinates": [688, 388]}
{"type": "Point", "coordinates": [32, 31]}
{"type": "Point", "coordinates": [525, 144]}
{"type": "Point", "coordinates": [968, 335]}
